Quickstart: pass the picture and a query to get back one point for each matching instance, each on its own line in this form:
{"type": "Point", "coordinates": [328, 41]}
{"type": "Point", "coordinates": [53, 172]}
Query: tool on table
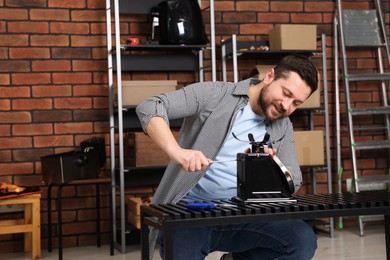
{"type": "Point", "coordinates": [208, 205]}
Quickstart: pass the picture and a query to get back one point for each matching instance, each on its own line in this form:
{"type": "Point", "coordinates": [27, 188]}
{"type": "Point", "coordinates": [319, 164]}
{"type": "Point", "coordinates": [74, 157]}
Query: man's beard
{"type": "Point", "coordinates": [265, 106]}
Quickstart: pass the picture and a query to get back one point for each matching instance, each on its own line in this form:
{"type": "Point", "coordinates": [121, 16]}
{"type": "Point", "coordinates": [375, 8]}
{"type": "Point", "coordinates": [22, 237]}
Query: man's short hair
{"type": "Point", "coordinates": [301, 65]}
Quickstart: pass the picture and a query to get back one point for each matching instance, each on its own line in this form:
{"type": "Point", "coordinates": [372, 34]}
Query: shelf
{"type": "Point", "coordinates": [233, 49]}
{"type": "Point", "coordinates": [146, 57]}
{"type": "Point", "coordinates": [161, 47]}
{"type": "Point", "coordinates": [272, 54]}
{"type": "Point", "coordinates": [163, 62]}
{"type": "Point", "coordinates": [145, 176]}
{"type": "Point", "coordinates": [131, 121]}
{"type": "Point", "coordinates": [248, 54]}
{"type": "Point", "coordinates": [136, 6]}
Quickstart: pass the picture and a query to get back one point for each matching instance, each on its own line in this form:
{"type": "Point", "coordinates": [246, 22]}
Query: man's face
{"type": "Point", "coordinates": [279, 98]}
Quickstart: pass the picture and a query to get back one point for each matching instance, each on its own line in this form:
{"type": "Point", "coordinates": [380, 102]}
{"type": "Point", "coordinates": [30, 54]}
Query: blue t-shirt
{"type": "Point", "coordinates": [220, 179]}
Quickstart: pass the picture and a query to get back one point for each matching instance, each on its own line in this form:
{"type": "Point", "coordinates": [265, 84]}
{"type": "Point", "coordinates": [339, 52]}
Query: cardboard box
{"type": "Point", "coordinates": [134, 209]}
{"type": "Point", "coordinates": [293, 37]}
{"type": "Point", "coordinates": [314, 101]}
{"type": "Point", "coordinates": [263, 69]}
{"type": "Point", "coordinates": [141, 151]}
{"type": "Point", "coordinates": [309, 146]}
{"type": "Point", "coordinates": [135, 92]}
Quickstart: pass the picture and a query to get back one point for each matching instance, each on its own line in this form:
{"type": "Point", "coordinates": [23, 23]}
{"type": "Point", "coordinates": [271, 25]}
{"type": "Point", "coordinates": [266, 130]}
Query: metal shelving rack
{"type": "Point", "coordinates": [231, 50]}
{"type": "Point", "coordinates": [118, 122]}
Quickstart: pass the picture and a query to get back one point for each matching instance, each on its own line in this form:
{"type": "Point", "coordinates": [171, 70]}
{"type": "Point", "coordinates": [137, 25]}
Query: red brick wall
{"type": "Point", "coordinates": [53, 86]}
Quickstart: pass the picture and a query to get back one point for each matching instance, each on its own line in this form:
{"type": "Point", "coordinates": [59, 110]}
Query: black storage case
{"type": "Point", "coordinates": [260, 177]}
{"type": "Point", "coordinates": [70, 166]}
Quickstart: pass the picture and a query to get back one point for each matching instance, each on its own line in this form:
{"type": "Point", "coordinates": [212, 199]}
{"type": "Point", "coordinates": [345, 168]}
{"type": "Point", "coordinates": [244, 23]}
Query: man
{"type": "Point", "coordinates": [214, 114]}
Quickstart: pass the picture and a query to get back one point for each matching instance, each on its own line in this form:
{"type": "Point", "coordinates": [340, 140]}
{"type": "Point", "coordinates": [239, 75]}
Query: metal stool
{"type": "Point", "coordinates": [97, 182]}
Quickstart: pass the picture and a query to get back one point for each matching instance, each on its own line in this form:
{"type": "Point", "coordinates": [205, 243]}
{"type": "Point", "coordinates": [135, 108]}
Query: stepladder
{"type": "Point", "coordinates": [362, 67]}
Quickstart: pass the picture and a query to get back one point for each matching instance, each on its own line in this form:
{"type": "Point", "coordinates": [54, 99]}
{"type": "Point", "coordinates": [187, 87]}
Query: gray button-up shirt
{"type": "Point", "coordinates": [208, 110]}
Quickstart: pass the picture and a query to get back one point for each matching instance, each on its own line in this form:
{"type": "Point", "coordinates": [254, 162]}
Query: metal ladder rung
{"type": "Point", "coordinates": [374, 179]}
{"type": "Point", "coordinates": [372, 128]}
{"type": "Point", "coordinates": [368, 77]}
{"type": "Point", "coordinates": [377, 144]}
{"type": "Point", "coordinates": [370, 110]}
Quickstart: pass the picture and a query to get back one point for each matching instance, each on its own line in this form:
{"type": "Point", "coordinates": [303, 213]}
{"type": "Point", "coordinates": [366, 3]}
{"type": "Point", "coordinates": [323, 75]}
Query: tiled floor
{"type": "Point", "coordinates": [346, 245]}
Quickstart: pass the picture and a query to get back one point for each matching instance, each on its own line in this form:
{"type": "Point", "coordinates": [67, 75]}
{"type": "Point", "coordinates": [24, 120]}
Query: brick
{"type": "Point", "coordinates": [32, 129]}
{"type": "Point", "coordinates": [31, 104]}
{"type": "Point", "coordinates": [29, 53]}
{"type": "Point", "coordinates": [227, 29]}
{"type": "Point", "coordinates": [98, 28]}
{"type": "Point", "coordinates": [16, 168]}
{"type": "Point", "coordinates": [26, 3]}
{"type": "Point", "coordinates": [26, 155]}
{"type": "Point", "coordinates": [242, 17]}
{"type": "Point", "coordinates": [14, 40]}
{"type": "Point", "coordinates": [100, 77]}
{"type": "Point", "coordinates": [69, 28]}
{"type": "Point", "coordinates": [223, 6]}
{"type": "Point", "coordinates": [64, 149]}
{"type": "Point", "coordinates": [88, 65]}
{"type": "Point", "coordinates": [49, 14]}
{"type": "Point", "coordinates": [66, 4]}
{"type": "Point", "coordinates": [52, 116]}
{"type": "Point", "coordinates": [7, 92]}
{"type": "Point", "coordinates": [5, 104]}
{"type": "Point", "coordinates": [51, 65]}
{"type": "Point", "coordinates": [5, 79]}
{"type": "Point", "coordinates": [139, 29]}
{"type": "Point", "coordinates": [89, 15]}
{"type": "Point", "coordinates": [10, 14]}
{"type": "Point", "coordinates": [100, 103]}
{"type": "Point", "coordinates": [2, 26]}
{"type": "Point", "coordinates": [72, 128]}
{"type": "Point", "coordinates": [5, 130]}
{"type": "Point", "coordinates": [70, 53]}
{"type": "Point", "coordinates": [51, 91]}
{"type": "Point", "coordinates": [28, 27]}
{"type": "Point", "coordinates": [5, 156]}
{"type": "Point", "coordinates": [93, 4]}
{"type": "Point", "coordinates": [72, 103]}
{"type": "Point", "coordinates": [15, 117]}
{"type": "Point", "coordinates": [255, 28]}
{"type": "Point", "coordinates": [15, 142]}
{"type": "Point", "coordinates": [320, 6]}
{"type": "Point", "coordinates": [72, 78]}
{"type": "Point", "coordinates": [83, 41]}
{"type": "Point", "coordinates": [49, 40]}
{"type": "Point", "coordinates": [286, 6]}
{"type": "Point", "coordinates": [258, 6]}
{"type": "Point", "coordinates": [306, 18]}
{"type": "Point", "coordinates": [31, 78]}
{"type": "Point", "coordinates": [74, 228]}
{"type": "Point", "coordinates": [3, 53]}
{"type": "Point", "coordinates": [90, 115]}
{"type": "Point", "coordinates": [31, 180]}
{"type": "Point", "coordinates": [14, 66]}
{"type": "Point", "coordinates": [53, 141]}
{"type": "Point", "coordinates": [90, 90]}
{"type": "Point", "coordinates": [99, 53]}
{"type": "Point", "coordinates": [274, 17]}
{"type": "Point", "coordinates": [101, 127]}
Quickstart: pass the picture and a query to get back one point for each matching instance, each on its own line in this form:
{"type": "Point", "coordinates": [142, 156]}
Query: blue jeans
{"type": "Point", "coordinates": [293, 239]}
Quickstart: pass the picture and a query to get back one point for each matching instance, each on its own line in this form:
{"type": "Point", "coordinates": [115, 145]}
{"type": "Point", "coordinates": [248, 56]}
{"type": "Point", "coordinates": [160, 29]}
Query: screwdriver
{"type": "Point", "coordinates": [207, 205]}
